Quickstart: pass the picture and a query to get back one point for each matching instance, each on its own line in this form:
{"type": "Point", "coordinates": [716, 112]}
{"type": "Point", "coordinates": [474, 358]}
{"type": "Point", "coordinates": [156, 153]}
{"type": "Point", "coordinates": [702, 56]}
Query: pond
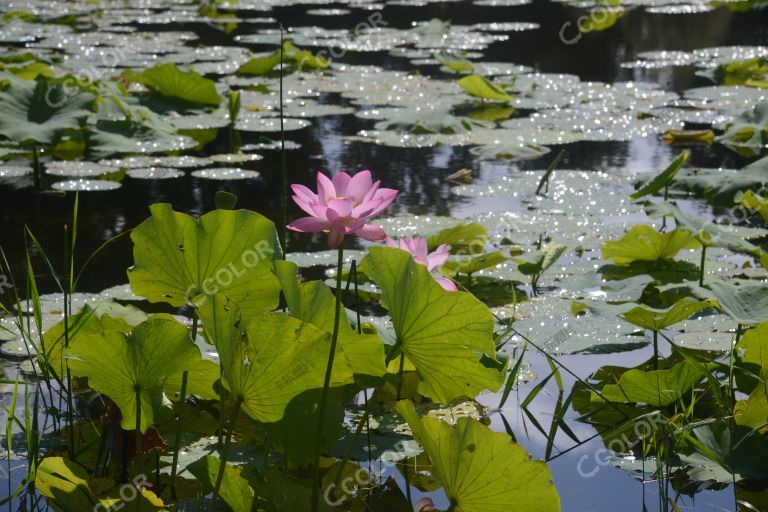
{"type": "Point", "coordinates": [597, 169]}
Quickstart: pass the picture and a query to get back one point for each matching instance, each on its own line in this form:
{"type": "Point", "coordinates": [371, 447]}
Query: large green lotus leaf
{"type": "Point", "coordinates": [644, 243]}
{"type": "Point", "coordinates": [201, 380]}
{"type": "Point", "coordinates": [235, 489]}
{"type": "Point", "coordinates": [270, 360]}
{"type": "Point", "coordinates": [122, 366]}
{"type": "Point", "coordinates": [753, 411]}
{"type": "Point", "coordinates": [754, 344]}
{"type": "Point", "coordinates": [716, 235]}
{"type": "Point", "coordinates": [661, 180]}
{"type": "Point", "coordinates": [226, 251]}
{"type": "Point", "coordinates": [737, 452]}
{"type": "Point", "coordinates": [187, 86]}
{"type": "Point", "coordinates": [313, 302]}
{"type": "Point", "coordinates": [720, 186]}
{"type": "Point", "coordinates": [745, 302]}
{"type": "Point", "coordinates": [482, 470]}
{"type": "Point", "coordinates": [448, 336]}
{"type": "Point", "coordinates": [481, 87]}
{"type": "Point", "coordinates": [38, 111]}
{"type": "Point", "coordinates": [92, 319]}
{"type": "Point", "coordinates": [656, 388]}
{"type": "Point", "coordinates": [64, 484]}
{"type": "Point", "coordinates": [65, 487]}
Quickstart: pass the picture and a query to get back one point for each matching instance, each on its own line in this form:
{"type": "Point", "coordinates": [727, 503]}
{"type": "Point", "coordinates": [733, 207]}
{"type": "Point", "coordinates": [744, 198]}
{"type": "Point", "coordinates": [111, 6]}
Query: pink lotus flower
{"type": "Point", "coordinates": [342, 206]}
{"type": "Point", "coordinates": [421, 255]}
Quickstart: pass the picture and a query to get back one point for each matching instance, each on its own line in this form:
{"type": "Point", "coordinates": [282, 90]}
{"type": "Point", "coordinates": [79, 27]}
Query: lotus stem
{"type": "Point", "coordinates": [326, 384]}
{"type": "Point", "coordinates": [701, 265]}
{"type": "Point", "coordinates": [655, 350]}
{"type": "Point", "coordinates": [177, 440]}
{"type": "Point", "coordinates": [67, 297]}
{"type": "Point", "coordinates": [225, 454]}
{"type": "Point", "coordinates": [139, 447]}
{"type": "Point", "coordinates": [360, 331]}
{"type": "Point", "coordinates": [731, 362]}
{"type": "Point", "coordinates": [405, 462]}
{"type": "Point", "coordinates": [400, 377]}
{"type": "Point", "coordinates": [283, 168]}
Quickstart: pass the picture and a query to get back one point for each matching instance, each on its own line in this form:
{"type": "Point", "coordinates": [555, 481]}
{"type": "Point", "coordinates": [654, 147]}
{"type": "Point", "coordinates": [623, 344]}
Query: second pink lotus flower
{"type": "Point", "coordinates": [342, 206]}
{"type": "Point", "coordinates": [421, 255]}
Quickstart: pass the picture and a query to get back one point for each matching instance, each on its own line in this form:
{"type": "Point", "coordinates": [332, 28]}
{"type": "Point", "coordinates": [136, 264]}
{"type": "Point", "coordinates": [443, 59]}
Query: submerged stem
{"type": "Point", "coordinates": [326, 385]}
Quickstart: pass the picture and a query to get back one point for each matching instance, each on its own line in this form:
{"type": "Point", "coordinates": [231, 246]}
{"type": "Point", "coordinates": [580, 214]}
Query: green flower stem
{"type": "Point", "coordinates": [701, 265]}
{"type": "Point", "coordinates": [224, 454]}
{"type": "Point", "coordinates": [655, 350]}
{"type": "Point", "coordinates": [283, 168]}
{"type": "Point", "coordinates": [326, 384]}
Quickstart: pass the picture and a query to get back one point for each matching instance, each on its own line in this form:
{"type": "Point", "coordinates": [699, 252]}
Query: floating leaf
{"type": "Point", "coordinates": [454, 63]}
{"type": "Point", "coordinates": [535, 263]}
{"type": "Point", "coordinates": [260, 65]}
{"type": "Point", "coordinates": [40, 111]}
{"type": "Point", "coordinates": [188, 86]}
{"type": "Point", "coordinates": [652, 318]}
{"type": "Point", "coordinates": [746, 303]}
{"type": "Point", "coordinates": [657, 388]}
{"type": "Point", "coordinates": [476, 263]}
{"type": "Point", "coordinates": [462, 237]}
{"type": "Point", "coordinates": [737, 452]}
{"type": "Point", "coordinates": [481, 87]}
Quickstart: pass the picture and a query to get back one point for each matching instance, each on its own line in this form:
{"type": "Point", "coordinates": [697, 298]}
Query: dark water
{"type": "Point", "coordinates": [420, 175]}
